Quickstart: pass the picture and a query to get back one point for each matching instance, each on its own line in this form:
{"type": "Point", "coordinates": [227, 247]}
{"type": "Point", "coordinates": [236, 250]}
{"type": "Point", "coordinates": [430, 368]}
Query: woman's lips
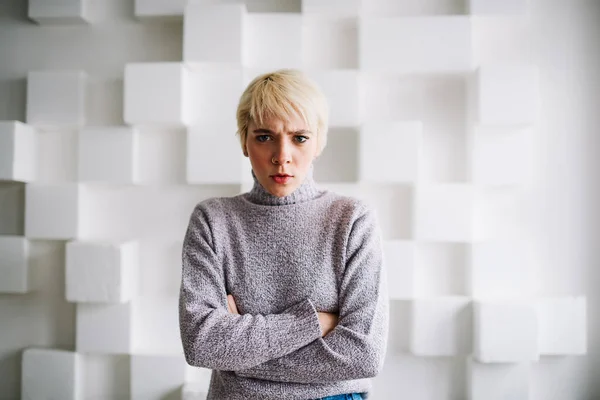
{"type": "Point", "coordinates": [282, 179]}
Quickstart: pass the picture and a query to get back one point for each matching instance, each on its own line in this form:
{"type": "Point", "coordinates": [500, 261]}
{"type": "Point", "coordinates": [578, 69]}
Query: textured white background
{"type": "Point", "coordinates": [560, 204]}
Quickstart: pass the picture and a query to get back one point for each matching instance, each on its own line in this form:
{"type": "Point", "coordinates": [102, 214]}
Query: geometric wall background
{"type": "Point", "coordinates": [117, 117]}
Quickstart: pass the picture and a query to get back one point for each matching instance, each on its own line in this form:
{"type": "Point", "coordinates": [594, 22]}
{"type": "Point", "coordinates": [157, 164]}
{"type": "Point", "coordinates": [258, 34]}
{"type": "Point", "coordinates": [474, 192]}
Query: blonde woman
{"type": "Point", "coordinates": [283, 291]}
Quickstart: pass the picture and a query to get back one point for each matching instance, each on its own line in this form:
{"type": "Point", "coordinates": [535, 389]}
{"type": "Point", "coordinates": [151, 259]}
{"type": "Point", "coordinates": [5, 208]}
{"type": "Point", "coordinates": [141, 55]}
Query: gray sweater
{"type": "Point", "coordinates": [284, 259]}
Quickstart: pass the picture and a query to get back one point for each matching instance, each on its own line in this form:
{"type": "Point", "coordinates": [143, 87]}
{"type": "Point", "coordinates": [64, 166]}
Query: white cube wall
{"type": "Point", "coordinates": [499, 381]}
{"type": "Point", "coordinates": [441, 326]}
{"type": "Point", "coordinates": [562, 325]}
{"type": "Point", "coordinates": [51, 374]}
{"type": "Point", "coordinates": [492, 7]}
{"type": "Point", "coordinates": [341, 87]}
{"type": "Point", "coordinates": [100, 272]}
{"type": "Point", "coordinates": [211, 145]}
{"type": "Point", "coordinates": [501, 269]}
{"type": "Point", "coordinates": [205, 25]}
{"type": "Point", "coordinates": [56, 211]}
{"type": "Point", "coordinates": [400, 265]}
{"type": "Point", "coordinates": [332, 8]}
{"type": "Point", "coordinates": [157, 94]}
{"type": "Point", "coordinates": [104, 328]}
{"type": "Point", "coordinates": [156, 325]}
{"type": "Point", "coordinates": [155, 377]}
{"type": "Point", "coordinates": [199, 376]}
{"type": "Point", "coordinates": [505, 331]}
{"type": "Point", "coordinates": [56, 99]}
{"type": "Point", "coordinates": [193, 391]}
{"type": "Point", "coordinates": [59, 11]}
{"type": "Point", "coordinates": [215, 93]}
{"type": "Point", "coordinates": [507, 95]}
{"type": "Point", "coordinates": [159, 9]}
{"type": "Point", "coordinates": [390, 151]}
{"type": "Point", "coordinates": [329, 43]}
{"type": "Point", "coordinates": [439, 44]}
{"type": "Point", "coordinates": [17, 152]}
{"type": "Point", "coordinates": [444, 212]}
{"type": "Point", "coordinates": [109, 155]}
{"type": "Point", "coordinates": [273, 40]}
{"type": "Point", "coordinates": [500, 156]}
{"type": "Point", "coordinates": [14, 264]}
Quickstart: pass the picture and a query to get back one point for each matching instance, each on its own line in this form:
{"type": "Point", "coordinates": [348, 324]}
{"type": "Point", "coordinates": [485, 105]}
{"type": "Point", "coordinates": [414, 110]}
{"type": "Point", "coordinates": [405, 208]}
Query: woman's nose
{"type": "Point", "coordinates": [283, 155]}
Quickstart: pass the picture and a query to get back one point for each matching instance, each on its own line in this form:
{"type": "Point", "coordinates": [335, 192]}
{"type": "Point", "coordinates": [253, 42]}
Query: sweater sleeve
{"type": "Point", "coordinates": [216, 339]}
{"type": "Point", "coordinates": [356, 348]}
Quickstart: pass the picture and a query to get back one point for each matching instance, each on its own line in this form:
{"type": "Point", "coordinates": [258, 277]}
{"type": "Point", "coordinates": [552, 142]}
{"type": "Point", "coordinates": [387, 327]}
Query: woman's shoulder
{"type": "Point", "coordinates": [349, 205]}
{"type": "Point", "coordinates": [212, 206]}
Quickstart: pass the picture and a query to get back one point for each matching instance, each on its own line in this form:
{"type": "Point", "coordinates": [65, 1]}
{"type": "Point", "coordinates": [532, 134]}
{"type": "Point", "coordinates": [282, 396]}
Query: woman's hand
{"type": "Point", "coordinates": [231, 305]}
{"type": "Point", "coordinates": [328, 321]}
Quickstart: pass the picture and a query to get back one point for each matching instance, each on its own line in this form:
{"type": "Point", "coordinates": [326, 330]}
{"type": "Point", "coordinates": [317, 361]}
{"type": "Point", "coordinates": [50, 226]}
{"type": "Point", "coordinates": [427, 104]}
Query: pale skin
{"type": "Point", "coordinates": [282, 147]}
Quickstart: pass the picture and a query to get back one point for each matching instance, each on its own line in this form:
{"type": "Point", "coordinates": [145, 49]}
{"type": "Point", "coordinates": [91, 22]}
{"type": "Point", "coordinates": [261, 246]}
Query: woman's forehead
{"type": "Point", "coordinates": [291, 123]}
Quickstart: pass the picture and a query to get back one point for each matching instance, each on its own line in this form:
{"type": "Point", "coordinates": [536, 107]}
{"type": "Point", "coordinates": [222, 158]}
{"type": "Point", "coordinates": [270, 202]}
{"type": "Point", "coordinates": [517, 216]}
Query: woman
{"type": "Point", "coordinates": [283, 291]}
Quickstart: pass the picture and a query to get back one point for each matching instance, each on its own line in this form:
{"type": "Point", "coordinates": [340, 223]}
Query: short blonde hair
{"type": "Point", "coordinates": [282, 94]}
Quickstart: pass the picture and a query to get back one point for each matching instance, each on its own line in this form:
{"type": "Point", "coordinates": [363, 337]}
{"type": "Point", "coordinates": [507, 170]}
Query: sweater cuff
{"type": "Point", "coordinates": [307, 320]}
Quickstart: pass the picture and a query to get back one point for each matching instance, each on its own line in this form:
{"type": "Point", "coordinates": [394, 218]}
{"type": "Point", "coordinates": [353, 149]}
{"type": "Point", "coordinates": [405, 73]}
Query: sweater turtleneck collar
{"type": "Point", "coordinates": [307, 191]}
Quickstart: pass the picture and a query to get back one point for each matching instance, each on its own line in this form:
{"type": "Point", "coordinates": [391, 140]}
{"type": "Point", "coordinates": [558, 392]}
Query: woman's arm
{"type": "Point", "coordinates": [356, 347]}
{"type": "Point", "coordinates": [211, 336]}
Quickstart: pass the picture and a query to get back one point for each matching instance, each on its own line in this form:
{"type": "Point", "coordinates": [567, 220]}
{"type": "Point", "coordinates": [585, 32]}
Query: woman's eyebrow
{"type": "Point", "coordinates": [298, 132]}
{"type": "Point", "coordinates": [263, 130]}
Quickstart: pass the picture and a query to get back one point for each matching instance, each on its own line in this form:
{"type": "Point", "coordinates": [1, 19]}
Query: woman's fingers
{"type": "Point", "coordinates": [231, 305]}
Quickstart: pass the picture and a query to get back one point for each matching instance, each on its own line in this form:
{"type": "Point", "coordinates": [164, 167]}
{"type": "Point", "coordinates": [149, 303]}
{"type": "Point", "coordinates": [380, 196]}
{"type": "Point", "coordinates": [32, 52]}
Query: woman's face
{"type": "Point", "coordinates": [281, 153]}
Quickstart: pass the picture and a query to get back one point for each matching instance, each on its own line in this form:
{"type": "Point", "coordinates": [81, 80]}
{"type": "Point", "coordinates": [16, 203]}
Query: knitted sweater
{"type": "Point", "coordinates": [283, 259]}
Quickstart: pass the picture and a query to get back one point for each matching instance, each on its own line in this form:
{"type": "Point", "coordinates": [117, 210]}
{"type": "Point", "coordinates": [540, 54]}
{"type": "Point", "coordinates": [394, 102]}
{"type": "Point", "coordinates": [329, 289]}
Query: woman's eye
{"type": "Point", "coordinates": [262, 138]}
{"type": "Point", "coordinates": [301, 139]}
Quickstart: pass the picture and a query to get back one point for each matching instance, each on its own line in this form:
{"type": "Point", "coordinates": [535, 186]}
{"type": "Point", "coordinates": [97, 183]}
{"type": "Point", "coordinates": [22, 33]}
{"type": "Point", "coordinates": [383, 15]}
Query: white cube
{"type": "Point", "coordinates": [439, 269]}
{"type": "Point", "coordinates": [14, 264]}
{"type": "Point", "coordinates": [159, 9]}
{"type": "Point", "coordinates": [507, 95]}
{"type": "Point", "coordinates": [215, 93]}
{"type": "Point", "coordinates": [109, 155]}
{"type": "Point", "coordinates": [156, 377]}
{"type": "Point", "coordinates": [500, 157]}
{"type": "Point", "coordinates": [59, 11]}
{"type": "Point", "coordinates": [212, 145]}
{"type": "Point", "coordinates": [390, 151]}
{"type": "Point", "coordinates": [499, 269]}
{"type": "Point", "coordinates": [494, 7]}
{"type": "Point", "coordinates": [562, 325]}
{"type": "Point", "coordinates": [444, 212]}
{"type": "Point", "coordinates": [441, 326]}
{"type": "Point", "coordinates": [198, 376]}
{"type": "Point", "coordinates": [193, 391]}
{"type": "Point", "coordinates": [58, 211]}
{"type": "Point", "coordinates": [329, 42]}
{"type": "Point", "coordinates": [273, 40]}
{"type": "Point", "coordinates": [17, 152]}
{"type": "Point", "coordinates": [205, 25]}
{"type": "Point", "coordinates": [498, 381]}
{"type": "Point", "coordinates": [101, 272]}
{"type": "Point", "coordinates": [56, 99]}
{"type": "Point", "coordinates": [157, 94]}
{"type": "Point", "coordinates": [156, 325]}
{"type": "Point", "coordinates": [342, 91]}
{"type": "Point", "coordinates": [505, 331]}
{"type": "Point", "coordinates": [332, 8]}
{"type": "Point", "coordinates": [440, 44]}
{"type": "Point", "coordinates": [51, 374]}
{"type": "Point", "coordinates": [400, 265]}
{"type": "Point", "coordinates": [104, 328]}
